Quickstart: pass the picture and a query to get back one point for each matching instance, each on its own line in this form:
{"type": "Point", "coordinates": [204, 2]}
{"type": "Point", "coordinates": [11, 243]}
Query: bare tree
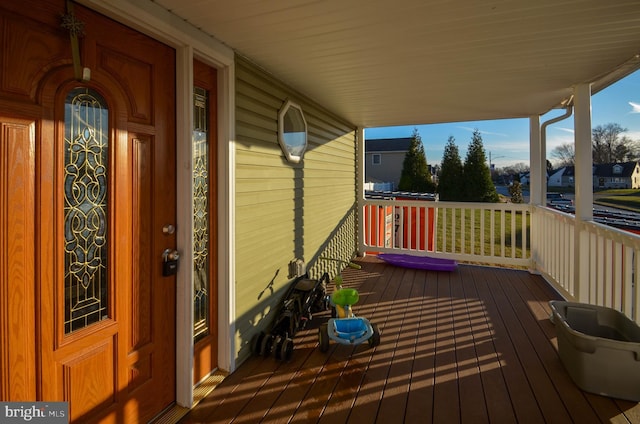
{"type": "Point", "coordinates": [565, 154]}
{"type": "Point", "coordinates": [609, 146]}
{"type": "Point", "coordinates": [518, 168]}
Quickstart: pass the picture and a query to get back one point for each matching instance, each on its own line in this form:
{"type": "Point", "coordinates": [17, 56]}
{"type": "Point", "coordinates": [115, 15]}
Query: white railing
{"type": "Point", "coordinates": [600, 268]}
{"type": "Point", "coordinates": [489, 233]}
{"type": "Point", "coordinates": [585, 261]}
{"type": "Point", "coordinates": [554, 247]}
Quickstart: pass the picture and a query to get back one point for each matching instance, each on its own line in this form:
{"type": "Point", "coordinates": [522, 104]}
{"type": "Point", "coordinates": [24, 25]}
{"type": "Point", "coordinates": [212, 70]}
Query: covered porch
{"type": "Point", "coordinates": [474, 345]}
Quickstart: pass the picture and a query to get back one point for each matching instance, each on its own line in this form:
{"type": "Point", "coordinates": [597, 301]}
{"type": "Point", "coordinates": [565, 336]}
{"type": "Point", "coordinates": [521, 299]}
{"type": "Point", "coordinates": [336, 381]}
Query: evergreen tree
{"type": "Point", "coordinates": [415, 172]}
{"type": "Point", "coordinates": [451, 184]}
{"type": "Point", "coordinates": [515, 190]}
{"type": "Point", "coordinates": [477, 177]}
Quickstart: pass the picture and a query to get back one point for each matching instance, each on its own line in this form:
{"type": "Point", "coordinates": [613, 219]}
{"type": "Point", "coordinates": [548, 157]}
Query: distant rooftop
{"type": "Point", "coordinates": [387, 144]}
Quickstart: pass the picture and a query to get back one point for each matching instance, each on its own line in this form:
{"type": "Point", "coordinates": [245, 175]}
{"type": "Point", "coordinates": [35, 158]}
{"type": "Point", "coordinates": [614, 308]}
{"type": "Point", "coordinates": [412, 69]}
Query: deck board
{"type": "Point", "coordinates": [471, 346]}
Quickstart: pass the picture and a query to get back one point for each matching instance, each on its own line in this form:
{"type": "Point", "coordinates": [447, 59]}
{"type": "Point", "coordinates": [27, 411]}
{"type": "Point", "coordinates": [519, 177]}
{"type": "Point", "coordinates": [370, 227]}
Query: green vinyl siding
{"type": "Point", "coordinates": [284, 210]}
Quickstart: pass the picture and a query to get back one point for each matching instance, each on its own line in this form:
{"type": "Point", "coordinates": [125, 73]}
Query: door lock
{"type": "Point", "coordinates": [170, 262]}
{"type": "Point", "coordinates": [168, 229]}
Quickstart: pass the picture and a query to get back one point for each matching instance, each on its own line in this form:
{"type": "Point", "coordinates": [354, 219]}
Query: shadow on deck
{"type": "Point", "coordinates": [473, 346]}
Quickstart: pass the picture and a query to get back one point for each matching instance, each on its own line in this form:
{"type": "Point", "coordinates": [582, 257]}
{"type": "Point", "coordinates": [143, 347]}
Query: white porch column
{"type": "Point", "coordinates": [537, 163]}
{"type": "Point", "coordinates": [360, 164]}
{"type": "Point", "coordinates": [583, 149]}
{"type": "Point", "coordinates": [537, 184]}
{"type": "Point", "coordinates": [584, 187]}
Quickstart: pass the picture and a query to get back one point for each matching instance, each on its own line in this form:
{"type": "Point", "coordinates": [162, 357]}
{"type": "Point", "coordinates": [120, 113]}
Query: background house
{"type": "Point", "coordinates": [605, 175]}
{"type": "Point", "coordinates": [616, 175]}
{"type": "Point", "coordinates": [383, 160]}
{"type": "Point", "coordinates": [563, 177]}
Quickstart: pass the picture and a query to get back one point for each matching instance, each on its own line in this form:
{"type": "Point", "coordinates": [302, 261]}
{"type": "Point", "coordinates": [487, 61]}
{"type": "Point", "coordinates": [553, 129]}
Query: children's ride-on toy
{"type": "Point", "coordinates": [304, 297]}
{"type": "Point", "coordinates": [346, 328]}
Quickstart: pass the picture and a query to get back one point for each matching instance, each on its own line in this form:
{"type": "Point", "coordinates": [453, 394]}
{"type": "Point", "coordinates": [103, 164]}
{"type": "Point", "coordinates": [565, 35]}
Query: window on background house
{"type": "Point", "coordinates": [376, 159]}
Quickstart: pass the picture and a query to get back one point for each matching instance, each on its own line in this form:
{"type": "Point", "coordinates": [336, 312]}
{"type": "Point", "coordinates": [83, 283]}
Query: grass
{"type": "Point", "coordinates": [628, 199]}
{"type": "Point", "coordinates": [478, 237]}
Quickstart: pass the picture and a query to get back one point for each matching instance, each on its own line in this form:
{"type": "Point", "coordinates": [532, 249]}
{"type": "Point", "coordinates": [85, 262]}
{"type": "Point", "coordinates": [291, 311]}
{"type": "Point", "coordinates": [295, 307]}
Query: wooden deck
{"type": "Point", "coordinates": [471, 346]}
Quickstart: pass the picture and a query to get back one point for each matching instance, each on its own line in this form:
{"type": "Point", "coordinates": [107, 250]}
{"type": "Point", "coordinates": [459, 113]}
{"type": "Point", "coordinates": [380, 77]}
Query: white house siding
{"type": "Point", "coordinates": [555, 180]}
{"type": "Point", "coordinates": [285, 210]}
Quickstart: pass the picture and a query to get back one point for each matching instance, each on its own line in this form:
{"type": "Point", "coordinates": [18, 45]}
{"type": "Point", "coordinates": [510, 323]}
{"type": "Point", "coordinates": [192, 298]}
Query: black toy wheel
{"type": "Point", "coordinates": [286, 349]}
{"type": "Point", "coordinates": [266, 345]}
{"type": "Point", "coordinates": [277, 347]}
{"type": "Point", "coordinates": [256, 343]}
{"type": "Point", "coordinates": [323, 338]}
{"type": "Point", "coordinates": [374, 340]}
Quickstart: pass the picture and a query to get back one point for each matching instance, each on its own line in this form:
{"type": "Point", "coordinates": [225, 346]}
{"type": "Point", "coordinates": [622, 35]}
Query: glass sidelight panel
{"type": "Point", "coordinates": [201, 230]}
{"type": "Point", "coordinates": [86, 157]}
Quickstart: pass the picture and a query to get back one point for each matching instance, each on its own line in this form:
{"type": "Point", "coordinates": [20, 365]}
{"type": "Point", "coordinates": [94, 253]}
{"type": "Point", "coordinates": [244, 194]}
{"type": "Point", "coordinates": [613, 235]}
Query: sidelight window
{"type": "Point", "coordinates": [201, 230]}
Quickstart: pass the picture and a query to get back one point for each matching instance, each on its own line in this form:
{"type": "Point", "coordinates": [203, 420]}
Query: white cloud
{"type": "Point", "coordinates": [557, 140]}
{"type": "Point", "coordinates": [633, 135]}
{"type": "Point", "coordinates": [483, 132]}
{"type": "Point", "coordinates": [635, 107]}
{"type": "Point", "coordinates": [569, 130]}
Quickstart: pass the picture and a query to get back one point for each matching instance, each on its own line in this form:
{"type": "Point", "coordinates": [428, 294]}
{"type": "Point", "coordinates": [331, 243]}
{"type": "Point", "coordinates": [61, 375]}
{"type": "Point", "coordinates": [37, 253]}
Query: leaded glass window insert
{"type": "Point", "coordinates": [201, 230]}
{"type": "Point", "coordinates": [86, 165]}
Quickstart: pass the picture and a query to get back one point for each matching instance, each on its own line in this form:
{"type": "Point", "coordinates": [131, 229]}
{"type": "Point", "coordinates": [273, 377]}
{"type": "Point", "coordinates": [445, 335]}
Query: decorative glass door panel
{"type": "Point", "coordinates": [205, 334]}
{"type": "Point", "coordinates": [86, 165]}
{"type": "Point", "coordinates": [201, 232]}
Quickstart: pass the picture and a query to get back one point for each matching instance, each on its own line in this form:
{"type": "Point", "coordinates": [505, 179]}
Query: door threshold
{"type": "Point", "coordinates": [175, 413]}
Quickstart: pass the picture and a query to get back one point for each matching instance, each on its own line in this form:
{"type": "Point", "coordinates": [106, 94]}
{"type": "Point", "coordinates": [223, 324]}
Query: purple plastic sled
{"type": "Point", "coordinates": [419, 262]}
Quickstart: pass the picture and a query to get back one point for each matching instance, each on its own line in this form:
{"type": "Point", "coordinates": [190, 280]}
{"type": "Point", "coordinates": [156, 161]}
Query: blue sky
{"type": "Point", "coordinates": [507, 140]}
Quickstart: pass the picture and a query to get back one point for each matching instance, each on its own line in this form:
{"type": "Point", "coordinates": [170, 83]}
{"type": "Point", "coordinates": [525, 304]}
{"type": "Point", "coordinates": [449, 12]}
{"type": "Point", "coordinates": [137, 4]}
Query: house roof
{"type": "Point", "coordinates": [602, 170]}
{"type": "Point", "coordinates": [409, 62]}
{"type": "Point", "coordinates": [606, 169]}
{"type": "Point", "coordinates": [387, 145]}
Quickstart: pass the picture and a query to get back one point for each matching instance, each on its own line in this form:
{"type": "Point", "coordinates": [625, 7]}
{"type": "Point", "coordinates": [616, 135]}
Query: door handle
{"type": "Point", "coordinates": [170, 262]}
{"type": "Point", "coordinates": [170, 255]}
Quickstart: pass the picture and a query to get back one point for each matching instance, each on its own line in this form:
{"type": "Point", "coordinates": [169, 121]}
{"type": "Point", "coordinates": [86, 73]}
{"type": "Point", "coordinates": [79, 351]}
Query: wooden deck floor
{"type": "Point", "coordinates": [471, 346]}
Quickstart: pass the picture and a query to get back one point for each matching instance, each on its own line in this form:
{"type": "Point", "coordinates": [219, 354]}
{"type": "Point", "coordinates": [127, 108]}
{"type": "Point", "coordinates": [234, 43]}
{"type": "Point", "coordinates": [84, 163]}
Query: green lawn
{"type": "Point", "coordinates": [482, 243]}
{"type": "Point", "coordinates": [623, 198]}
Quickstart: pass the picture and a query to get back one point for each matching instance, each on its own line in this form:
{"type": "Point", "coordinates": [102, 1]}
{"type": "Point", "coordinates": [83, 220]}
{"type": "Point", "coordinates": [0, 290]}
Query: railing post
{"type": "Point", "coordinates": [584, 189]}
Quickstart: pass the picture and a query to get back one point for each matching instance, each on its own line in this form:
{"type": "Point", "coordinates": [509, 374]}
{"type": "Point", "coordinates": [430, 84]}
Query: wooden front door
{"type": "Point", "coordinates": [99, 178]}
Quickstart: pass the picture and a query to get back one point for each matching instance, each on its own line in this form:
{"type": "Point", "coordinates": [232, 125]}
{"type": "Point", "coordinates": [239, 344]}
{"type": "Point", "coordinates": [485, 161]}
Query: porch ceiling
{"type": "Point", "coordinates": [403, 62]}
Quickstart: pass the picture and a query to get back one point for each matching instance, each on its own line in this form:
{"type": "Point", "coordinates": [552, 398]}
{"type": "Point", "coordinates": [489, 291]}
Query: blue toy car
{"type": "Point", "coordinates": [346, 328]}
